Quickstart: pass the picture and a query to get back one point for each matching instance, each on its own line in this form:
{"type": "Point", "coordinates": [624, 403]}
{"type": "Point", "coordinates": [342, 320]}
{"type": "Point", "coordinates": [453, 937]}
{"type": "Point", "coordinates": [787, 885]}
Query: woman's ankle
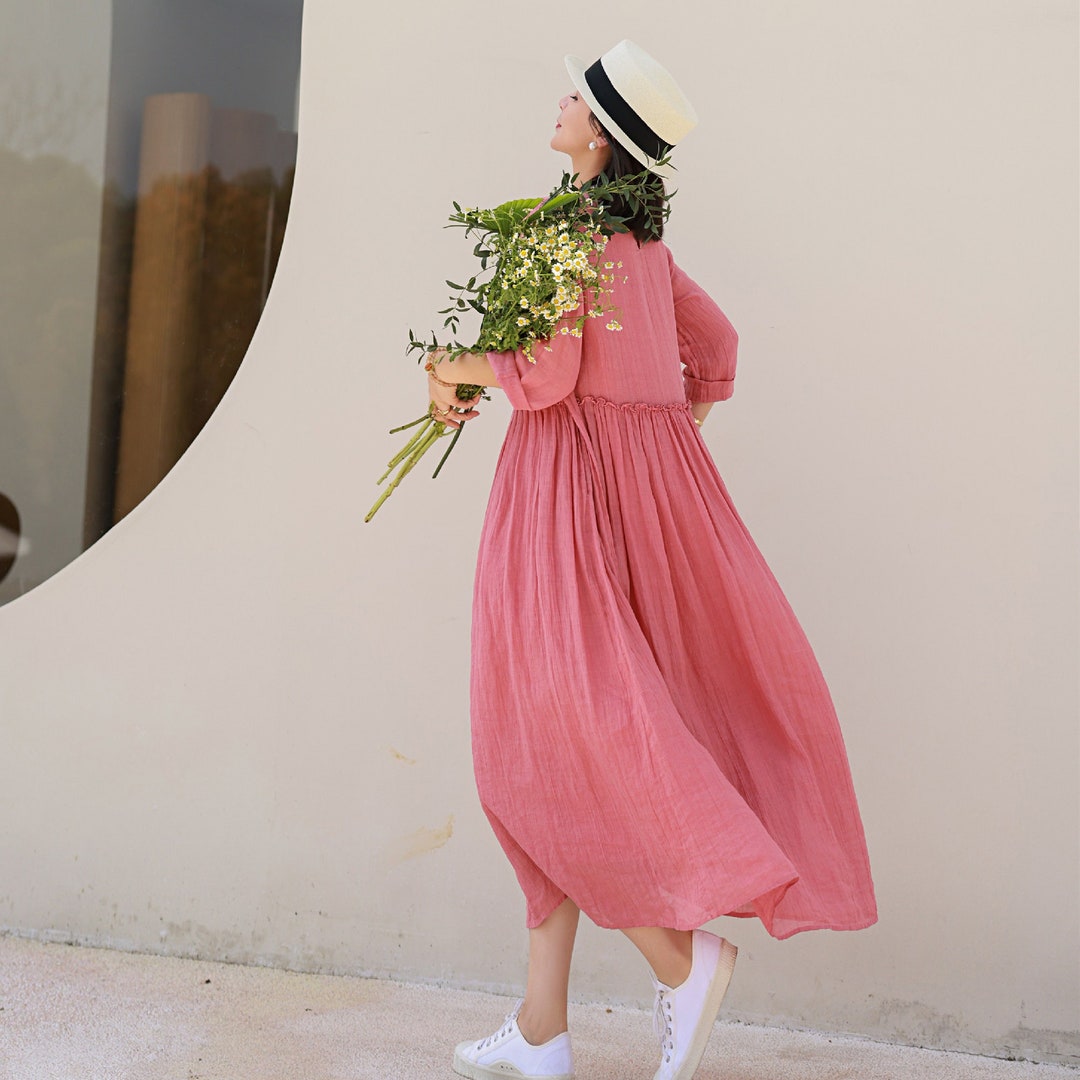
{"type": "Point", "coordinates": [673, 967]}
{"type": "Point", "coordinates": [539, 1026]}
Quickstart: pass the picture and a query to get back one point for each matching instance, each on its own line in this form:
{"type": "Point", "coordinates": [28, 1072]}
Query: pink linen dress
{"type": "Point", "coordinates": [652, 735]}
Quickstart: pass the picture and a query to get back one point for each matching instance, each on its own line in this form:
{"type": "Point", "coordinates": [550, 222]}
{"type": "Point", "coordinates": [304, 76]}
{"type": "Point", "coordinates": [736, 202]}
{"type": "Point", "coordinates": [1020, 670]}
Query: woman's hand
{"type": "Point", "coordinates": [445, 404]}
{"type": "Point", "coordinates": [700, 409]}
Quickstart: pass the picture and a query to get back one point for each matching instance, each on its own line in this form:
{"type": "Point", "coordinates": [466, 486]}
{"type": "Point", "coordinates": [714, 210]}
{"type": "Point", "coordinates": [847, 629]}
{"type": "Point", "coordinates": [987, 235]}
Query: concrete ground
{"type": "Point", "coordinates": [74, 1013]}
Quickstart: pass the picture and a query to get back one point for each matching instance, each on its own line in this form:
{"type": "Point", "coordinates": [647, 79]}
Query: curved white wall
{"type": "Point", "coordinates": [237, 727]}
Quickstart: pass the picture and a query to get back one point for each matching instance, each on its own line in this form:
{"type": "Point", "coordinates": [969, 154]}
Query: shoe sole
{"type": "Point", "coordinates": [713, 999]}
{"type": "Point", "coordinates": [499, 1071]}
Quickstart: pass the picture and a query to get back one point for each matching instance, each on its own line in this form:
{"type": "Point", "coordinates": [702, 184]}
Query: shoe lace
{"type": "Point", "coordinates": [508, 1024]}
{"type": "Point", "coordinates": [663, 1021]}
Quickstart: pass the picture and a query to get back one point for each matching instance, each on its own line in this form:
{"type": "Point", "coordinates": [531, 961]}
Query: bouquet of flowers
{"type": "Point", "coordinates": [542, 256]}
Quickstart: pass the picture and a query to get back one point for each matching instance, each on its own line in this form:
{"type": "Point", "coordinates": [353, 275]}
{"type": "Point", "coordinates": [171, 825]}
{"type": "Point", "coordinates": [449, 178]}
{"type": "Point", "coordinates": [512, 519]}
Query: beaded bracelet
{"type": "Point", "coordinates": [429, 367]}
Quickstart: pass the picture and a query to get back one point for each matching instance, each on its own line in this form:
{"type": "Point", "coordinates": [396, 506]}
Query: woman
{"type": "Point", "coordinates": [653, 740]}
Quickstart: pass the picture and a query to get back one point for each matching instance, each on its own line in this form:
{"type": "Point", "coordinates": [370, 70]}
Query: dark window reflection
{"type": "Point", "coordinates": [147, 151]}
{"type": "Point", "coordinates": [206, 231]}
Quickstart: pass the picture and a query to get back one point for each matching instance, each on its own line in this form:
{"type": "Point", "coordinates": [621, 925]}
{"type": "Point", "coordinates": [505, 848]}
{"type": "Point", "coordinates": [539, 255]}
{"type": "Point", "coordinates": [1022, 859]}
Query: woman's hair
{"type": "Point", "coordinates": [622, 164]}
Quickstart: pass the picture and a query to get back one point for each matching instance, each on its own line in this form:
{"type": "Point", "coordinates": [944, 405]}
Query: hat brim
{"type": "Point", "coordinates": [576, 67]}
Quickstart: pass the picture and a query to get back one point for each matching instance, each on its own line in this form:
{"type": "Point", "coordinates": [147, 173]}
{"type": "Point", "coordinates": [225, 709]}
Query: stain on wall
{"type": "Point", "coordinates": [421, 842]}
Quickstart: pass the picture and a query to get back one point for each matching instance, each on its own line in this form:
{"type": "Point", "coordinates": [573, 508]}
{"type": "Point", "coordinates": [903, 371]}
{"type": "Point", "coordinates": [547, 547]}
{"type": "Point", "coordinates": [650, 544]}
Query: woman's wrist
{"type": "Point", "coordinates": [443, 370]}
{"type": "Point", "coordinates": [433, 374]}
{"type": "Point", "coordinates": [473, 369]}
{"type": "Point", "coordinates": [700, 410]}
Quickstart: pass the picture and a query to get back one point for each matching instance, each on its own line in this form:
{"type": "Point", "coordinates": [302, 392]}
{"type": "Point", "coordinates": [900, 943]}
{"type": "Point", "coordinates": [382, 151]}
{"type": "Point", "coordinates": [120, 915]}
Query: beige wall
{"type": "Point", "coordinates": [237, 726]}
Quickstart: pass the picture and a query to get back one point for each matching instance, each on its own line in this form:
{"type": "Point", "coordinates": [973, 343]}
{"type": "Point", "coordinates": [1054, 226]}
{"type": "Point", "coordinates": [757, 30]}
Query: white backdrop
{"type": "Point", "coordinates": [237, 727]}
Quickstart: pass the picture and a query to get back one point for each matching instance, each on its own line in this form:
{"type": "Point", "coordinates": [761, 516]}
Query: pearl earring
{"type": "Point", "coordinates": [592, 146]}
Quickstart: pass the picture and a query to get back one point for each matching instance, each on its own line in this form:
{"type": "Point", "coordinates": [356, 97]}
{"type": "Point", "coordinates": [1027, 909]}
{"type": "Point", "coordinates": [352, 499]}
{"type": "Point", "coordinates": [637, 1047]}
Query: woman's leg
{"type": "Point", "coordinates": [551, 944]}
{"type": "Point", "coordinates": [668, 952]}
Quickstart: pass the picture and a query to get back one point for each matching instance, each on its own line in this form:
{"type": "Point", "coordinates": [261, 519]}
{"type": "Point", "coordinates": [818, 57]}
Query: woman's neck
{"type": "Point", "coordinates": [587, 167]}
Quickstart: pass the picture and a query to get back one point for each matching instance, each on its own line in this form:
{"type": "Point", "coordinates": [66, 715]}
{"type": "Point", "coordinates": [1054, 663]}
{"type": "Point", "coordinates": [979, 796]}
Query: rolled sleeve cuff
{"type": "Point", "coordinates": [504, 364]}
{"type": "Point", "coordinates": [704, 390]}
{"type": "Point", "coordinates": [537, 385]}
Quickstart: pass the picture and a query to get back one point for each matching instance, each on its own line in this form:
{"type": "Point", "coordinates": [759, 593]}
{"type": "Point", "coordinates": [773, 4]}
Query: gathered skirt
{"type": "Point", "coordinates": [652, 735]}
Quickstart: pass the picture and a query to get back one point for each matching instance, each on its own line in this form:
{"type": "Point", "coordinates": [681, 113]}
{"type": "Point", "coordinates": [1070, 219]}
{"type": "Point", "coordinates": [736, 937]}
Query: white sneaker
{"type": "Point", "coordinates": [683, 1017]}
{"type": "Point", "coordinates": [507, 1054]}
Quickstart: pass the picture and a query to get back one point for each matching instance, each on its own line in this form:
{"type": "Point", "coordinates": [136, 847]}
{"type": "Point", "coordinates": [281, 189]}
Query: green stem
{"type": "Point", "coordinates": [411, 423]}
{"type": "Point", "coordinates": [406, 449]}
{"type": "Point", "coordinates": [438, 430]}
{"type": "Point", "coordinates": [418, 446]}
{"type": "Point", "coordinates": [378, 502]}
{"type": "Point", "coordinates": [453, 443]}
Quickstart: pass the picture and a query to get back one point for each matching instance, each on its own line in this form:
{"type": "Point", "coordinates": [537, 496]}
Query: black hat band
{"type": "Point", "coordinates": [615, 105]}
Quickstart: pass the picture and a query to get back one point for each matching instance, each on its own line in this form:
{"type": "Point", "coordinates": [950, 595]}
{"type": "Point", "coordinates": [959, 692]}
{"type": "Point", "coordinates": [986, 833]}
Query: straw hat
{"type": "Point", "coordinates": [637, 100]}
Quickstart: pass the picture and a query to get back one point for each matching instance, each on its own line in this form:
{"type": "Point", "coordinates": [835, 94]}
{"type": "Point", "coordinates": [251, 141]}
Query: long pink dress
{"type": "Point", "coordinates": [652, 735]}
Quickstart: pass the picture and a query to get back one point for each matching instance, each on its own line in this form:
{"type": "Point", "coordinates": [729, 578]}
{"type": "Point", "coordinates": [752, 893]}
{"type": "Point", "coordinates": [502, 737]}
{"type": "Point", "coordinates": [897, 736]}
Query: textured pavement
{"type": "Point", "coordinates": [75, 1013]}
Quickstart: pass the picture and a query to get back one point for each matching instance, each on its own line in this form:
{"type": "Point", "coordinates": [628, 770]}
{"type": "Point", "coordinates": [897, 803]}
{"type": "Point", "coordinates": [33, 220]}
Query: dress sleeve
{"type": "Point", "coordinates": [551, 378]}
{"type": "Point", "coordinates": [707, 340]}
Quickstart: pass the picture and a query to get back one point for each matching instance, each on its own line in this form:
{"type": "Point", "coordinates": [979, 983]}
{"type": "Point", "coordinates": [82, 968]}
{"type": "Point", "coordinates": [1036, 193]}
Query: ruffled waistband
{"type": "Point", "coordinates": [634, 406]}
